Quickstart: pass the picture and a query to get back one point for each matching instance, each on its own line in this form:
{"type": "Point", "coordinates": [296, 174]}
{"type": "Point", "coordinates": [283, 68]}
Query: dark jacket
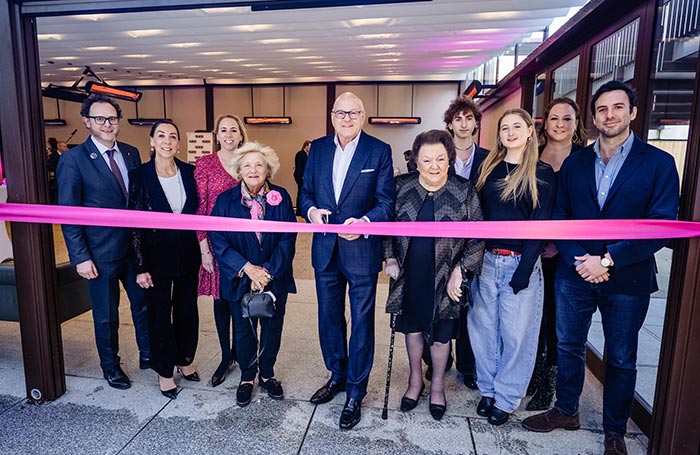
{"type": "Point", "coordinates": [275, 251]}
{"type": "Point", "coordinates": [84, 179]}
{"type": "Point", "coordinates": [647, 187]}
{"type": "Point", "coordinates": [163, 252]}
{"type": "Point", "coordinates": [480, 155]}
{"type": "Point", "coordinates": [299, 166]}
{"type": "Point", "coordinates": [456, 201]}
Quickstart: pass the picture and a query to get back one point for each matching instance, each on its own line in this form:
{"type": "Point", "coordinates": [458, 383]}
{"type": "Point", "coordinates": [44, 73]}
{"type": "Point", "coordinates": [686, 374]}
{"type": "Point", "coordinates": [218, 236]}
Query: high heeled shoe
{"type": "Point", "coordinates": [172, 393]}
{"type": "Point", "coordinates": [438, 410]}
{"type": "Point", "coordinates": [221, 372]}
{"type": "Point", "coordinates": [194, 377]}
{"type": "Point", "coordinates": [408, 404]}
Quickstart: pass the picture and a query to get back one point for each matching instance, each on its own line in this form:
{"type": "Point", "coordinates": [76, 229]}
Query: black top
{"type": "Point", "coordinates": [496, 210]}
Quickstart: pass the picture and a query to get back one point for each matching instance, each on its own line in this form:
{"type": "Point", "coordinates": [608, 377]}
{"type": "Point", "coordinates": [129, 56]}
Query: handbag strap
{"type": "Point", "coordinates": [255, 335]}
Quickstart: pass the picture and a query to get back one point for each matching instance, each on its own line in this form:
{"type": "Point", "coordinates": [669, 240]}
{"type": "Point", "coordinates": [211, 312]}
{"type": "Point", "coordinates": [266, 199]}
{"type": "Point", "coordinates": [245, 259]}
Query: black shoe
{"type": "Point", "coordinates": [194, 377]}
{"type": "Point", "coordinates": [273, 388]}
{"type": "Point", "coordinates": [498, 417]}
{"type": "Point", "coordinates": [172, 393]}
{"type": "Point", "coordinates": [409, 403]}
{"type": "Point", "coordinates": [327, 392]}
{"type": "Point", "coordinates": [470, 381]}
{"type": "Point", "coordinates": [144, 362]}
{"type": "Point", "coordinates": [222, 371]}
{"type": "Point", "coordinates": [485, 406]}
{"type": "Point", "coordinates": [244, 394]}
{"type": "Point", "coordinates": [438, 410]}
{"type": "Point", "coordinates": [117, 378]}
{"type": "Point", "coordinates": [351, 414]}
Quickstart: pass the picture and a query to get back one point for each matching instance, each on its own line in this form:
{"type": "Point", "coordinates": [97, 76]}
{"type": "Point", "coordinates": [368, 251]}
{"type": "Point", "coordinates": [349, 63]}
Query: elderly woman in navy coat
{"type": "Point", "coordinates": [254, 261]}
{"type": "Point", "coordinates": [167, 261]}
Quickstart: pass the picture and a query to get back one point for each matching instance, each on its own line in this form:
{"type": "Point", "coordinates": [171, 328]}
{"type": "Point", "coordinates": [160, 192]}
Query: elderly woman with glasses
{"type": "Point", "coordinates": [255, 261]}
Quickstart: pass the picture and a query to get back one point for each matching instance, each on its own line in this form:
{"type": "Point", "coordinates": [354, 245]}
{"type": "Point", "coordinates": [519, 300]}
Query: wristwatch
{"type": "Point", "coordinates": [605, 262]}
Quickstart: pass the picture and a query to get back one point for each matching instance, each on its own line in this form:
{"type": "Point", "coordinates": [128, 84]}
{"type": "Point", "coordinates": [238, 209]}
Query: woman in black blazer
{"type": "Point", "coordinates": [255, 261]}
{"type": "Point", "coordinates": [167, 261]}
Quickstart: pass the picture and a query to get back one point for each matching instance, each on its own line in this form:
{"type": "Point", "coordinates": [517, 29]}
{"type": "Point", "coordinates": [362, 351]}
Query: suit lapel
{"type": "Point", "coordinates": [158, 199]}
{"type": "Point", "coordinates": [634, 159]}
{"type": "Point", "coordinates": [589, 173]}
{"type": "Point", "coordinates": [103, 171]}
{"type": "Point", "coordinates": [190, 188]}
{"type": "Point", "coordinates": [326, 168]}
{"type": "Point", "coordinates": [356, 165]}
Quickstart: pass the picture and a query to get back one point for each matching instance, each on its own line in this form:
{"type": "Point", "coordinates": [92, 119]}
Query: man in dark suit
{"type": "Point", "coordinates": [617, 177]}
{"type": "Point", "coordinates": [348, 179]}
{"type": "Point", "coordinates": [95, 174]}
{"type": "Point", "coordinates": [299, 166]}
{"type": "Point", "coordinates": [462, 119]}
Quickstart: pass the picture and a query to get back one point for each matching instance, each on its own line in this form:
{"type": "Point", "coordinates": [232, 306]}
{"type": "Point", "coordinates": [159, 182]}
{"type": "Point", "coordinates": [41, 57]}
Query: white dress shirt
{"type": "Point", "coordinates": [341, 163]}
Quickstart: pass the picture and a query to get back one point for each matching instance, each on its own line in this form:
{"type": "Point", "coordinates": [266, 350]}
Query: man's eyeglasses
{"type": "Point", "coordinates": [340, 115]}
{"type": "Point", "coordinates": [101, 120]}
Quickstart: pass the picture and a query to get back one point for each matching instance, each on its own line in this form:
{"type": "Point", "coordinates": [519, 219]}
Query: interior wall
{"type": "Point", "coordinates": [429, 102]}
{"type": "Point", "coordinates": [306, 104]}
{"type": "Point", "coordinates": [489, 120]}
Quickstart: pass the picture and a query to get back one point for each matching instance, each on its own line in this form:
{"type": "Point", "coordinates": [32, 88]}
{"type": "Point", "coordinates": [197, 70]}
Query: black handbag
{"type": "Point", "coordinates": [257, 305]}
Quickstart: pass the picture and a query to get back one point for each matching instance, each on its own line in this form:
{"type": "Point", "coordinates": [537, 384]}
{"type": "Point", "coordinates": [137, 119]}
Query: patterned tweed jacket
{"type": "Point", "coordinates": [457, 200]}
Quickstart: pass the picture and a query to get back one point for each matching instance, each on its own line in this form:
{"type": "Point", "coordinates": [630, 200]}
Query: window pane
{"type": "Point", "coordinates": [565, 79]}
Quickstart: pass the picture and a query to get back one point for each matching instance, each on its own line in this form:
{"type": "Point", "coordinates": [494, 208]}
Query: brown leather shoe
{"type": "Point", "coordinates": [551, 420]}
{"type": "Point", "coordinates": [615, 444]}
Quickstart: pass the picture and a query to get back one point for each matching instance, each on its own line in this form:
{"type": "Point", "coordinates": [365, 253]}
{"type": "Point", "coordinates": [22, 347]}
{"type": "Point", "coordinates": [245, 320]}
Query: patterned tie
{"type": "Point", "coordinates": [115, 170]}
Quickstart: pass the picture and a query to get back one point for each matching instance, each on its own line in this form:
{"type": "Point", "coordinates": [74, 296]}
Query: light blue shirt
{"type": "Point", "coordinates": [118, 158]}
{"type": "Point", "coordinates": [605, 174]}
{"type": "Point", "coordinates": [464, 168]}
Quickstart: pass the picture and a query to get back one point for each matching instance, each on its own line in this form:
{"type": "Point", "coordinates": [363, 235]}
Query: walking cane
{"type": "Point", "coordinates": [388, 367]}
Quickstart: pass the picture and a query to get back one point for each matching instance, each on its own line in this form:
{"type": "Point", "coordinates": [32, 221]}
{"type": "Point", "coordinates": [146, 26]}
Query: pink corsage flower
{"type": "Point", "coordinates": [273, 198]}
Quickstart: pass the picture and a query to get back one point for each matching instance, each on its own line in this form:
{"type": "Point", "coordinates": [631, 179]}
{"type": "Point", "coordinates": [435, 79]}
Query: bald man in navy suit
{"type": "Point", "coordinates": [348, 179]}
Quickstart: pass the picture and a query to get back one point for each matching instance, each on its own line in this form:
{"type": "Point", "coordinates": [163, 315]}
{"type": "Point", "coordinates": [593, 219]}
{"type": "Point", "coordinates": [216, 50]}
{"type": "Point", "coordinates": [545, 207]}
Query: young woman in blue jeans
{"type": "Point", "coordinates": [508, 294]}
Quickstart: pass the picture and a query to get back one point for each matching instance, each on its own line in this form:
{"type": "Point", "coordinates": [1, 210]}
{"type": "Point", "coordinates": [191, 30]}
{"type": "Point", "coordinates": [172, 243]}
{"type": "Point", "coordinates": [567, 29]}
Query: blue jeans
{"type": "Point", "coordinates": [622, 316]}
{"type": "Point", "coordinates": [503, 329]}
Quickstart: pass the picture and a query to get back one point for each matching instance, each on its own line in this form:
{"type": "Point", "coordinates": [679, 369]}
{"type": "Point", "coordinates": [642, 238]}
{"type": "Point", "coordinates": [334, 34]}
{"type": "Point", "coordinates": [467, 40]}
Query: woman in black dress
{"type": "Point", "coordinates": [427, 273]}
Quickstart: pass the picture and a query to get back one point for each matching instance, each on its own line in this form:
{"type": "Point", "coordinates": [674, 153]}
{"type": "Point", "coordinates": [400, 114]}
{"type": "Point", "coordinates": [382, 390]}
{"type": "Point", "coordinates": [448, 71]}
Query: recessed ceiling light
{"type": "Point", "coordinates": [235, 60]}
{"type": "Point", "coordinates": [379, 36]}
{"type": "Point", "coordinates": [279, 41]}
{"type": "Point", "coordinates": [167, 62]}
{"type": "Point", "coordinates": [293, 50]}
{"type": "Point", "coordinates": [156, 71]}
{"type": "Point", "coordinates": [143, 33]}
{"type": "Point", "coordinates": [232, 9]}
{"type": "Point", "coordinates": [137, 55]}
{"type": "Point", "coordinates": [388, 54]}
{"type": "Point", "coordinates": [380, 46]}
{"type": "Point", "coordinates": [319, 62]}
{"type": "Point", "coordinates": [252, 65]}
{"type": "Point", "coordinates": [387, 60]}
{"type": "Point", "coordinates": [49, 36]}
{"type": "Point", "coordinates": [476, 41]}
{"type": "Point", "coordinates": [368, 21]}
{"type": "Point", "coordinates": [99, 48]}
{"type": "Point", "coordinates": [103, 63]}
{"type": "Point", "coordinates": [213, 53]}
{"type": "Point", "coordinates": [133, 67]}
{"type": "Point", "coordinates": [307, 57]}
{"type": "Point", "coordinates": [459, 56]}
{"type": "Point", "coordinates": [192, 66]}
{"type": "Point", "coordinates": [252, 27]}
{"type": "Point", "coordinates": [71, 68]}
{"type": "Point", "coordinates": [267, 69]}
{"type": "Point", "coordinates": [91, 17]}
{"type": "Point", "coordinates": [63, 58]}
{"type": "Point", "coordinates": [184, 45]}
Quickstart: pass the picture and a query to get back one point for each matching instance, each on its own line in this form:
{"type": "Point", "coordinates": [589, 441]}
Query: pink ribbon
{"type": "Point", "coordinates": [550, 230]}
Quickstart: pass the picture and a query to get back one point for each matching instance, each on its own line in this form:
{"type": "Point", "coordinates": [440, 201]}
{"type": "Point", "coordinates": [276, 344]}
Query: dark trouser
{"type": "Point", "coordinates": [104, 299]}
{"type": "Point", "coordinates": [347, 362]}
{"type": "Point", "coordinates": [222, 320]}
{"type": "Point", "coordinates": [298, 203]}
{"type": "Point", "coordinates": [548, 330]}
{"type": "Point", "coordinates": [622, 317]}
{"type": "Point", "coordinates": [247, 347]}
{"type": "Point", "coordinates": [173, 322]}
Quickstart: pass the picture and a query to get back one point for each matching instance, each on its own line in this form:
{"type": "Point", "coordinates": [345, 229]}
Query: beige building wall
{"type": "Point", "coordinates": [306, 104]}
{"type": "Point", "coordinates": [489, 120]}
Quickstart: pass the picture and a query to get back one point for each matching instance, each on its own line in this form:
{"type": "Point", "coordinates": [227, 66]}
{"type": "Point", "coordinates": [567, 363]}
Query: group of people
{"type": "Point", "coordinates": [512, 306]}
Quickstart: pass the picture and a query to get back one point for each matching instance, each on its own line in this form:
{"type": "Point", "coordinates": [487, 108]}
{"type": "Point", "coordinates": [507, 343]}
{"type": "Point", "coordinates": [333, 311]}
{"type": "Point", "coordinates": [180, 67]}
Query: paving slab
{"type": "Point", "coordinates": [512, 439]}
{"type": "Point", "coordinates": [404, 433]}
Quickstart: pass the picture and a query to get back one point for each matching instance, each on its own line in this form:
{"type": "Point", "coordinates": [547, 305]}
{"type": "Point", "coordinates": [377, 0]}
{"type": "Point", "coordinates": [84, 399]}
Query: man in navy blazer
{"type": "Point", "coordinates": [348, 179]}
{"type": "Point", "coordinates": [95, 174]}
{"type": "Point", "coordinates": [618, 177]}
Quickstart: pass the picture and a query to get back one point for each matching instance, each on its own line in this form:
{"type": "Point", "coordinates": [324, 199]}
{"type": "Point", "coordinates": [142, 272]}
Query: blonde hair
{"type": "Point", "coordinates": [271, 158]}
{"type": "Point", "coordinates": [524, 179]}
{"type": "Point", "coordinates": [239, 122]}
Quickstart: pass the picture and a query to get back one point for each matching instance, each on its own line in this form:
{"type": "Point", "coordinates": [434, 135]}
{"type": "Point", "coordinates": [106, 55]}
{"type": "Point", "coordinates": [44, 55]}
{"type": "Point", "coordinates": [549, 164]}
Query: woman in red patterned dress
{"type": "Point", "coordinates": [214, 176]}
